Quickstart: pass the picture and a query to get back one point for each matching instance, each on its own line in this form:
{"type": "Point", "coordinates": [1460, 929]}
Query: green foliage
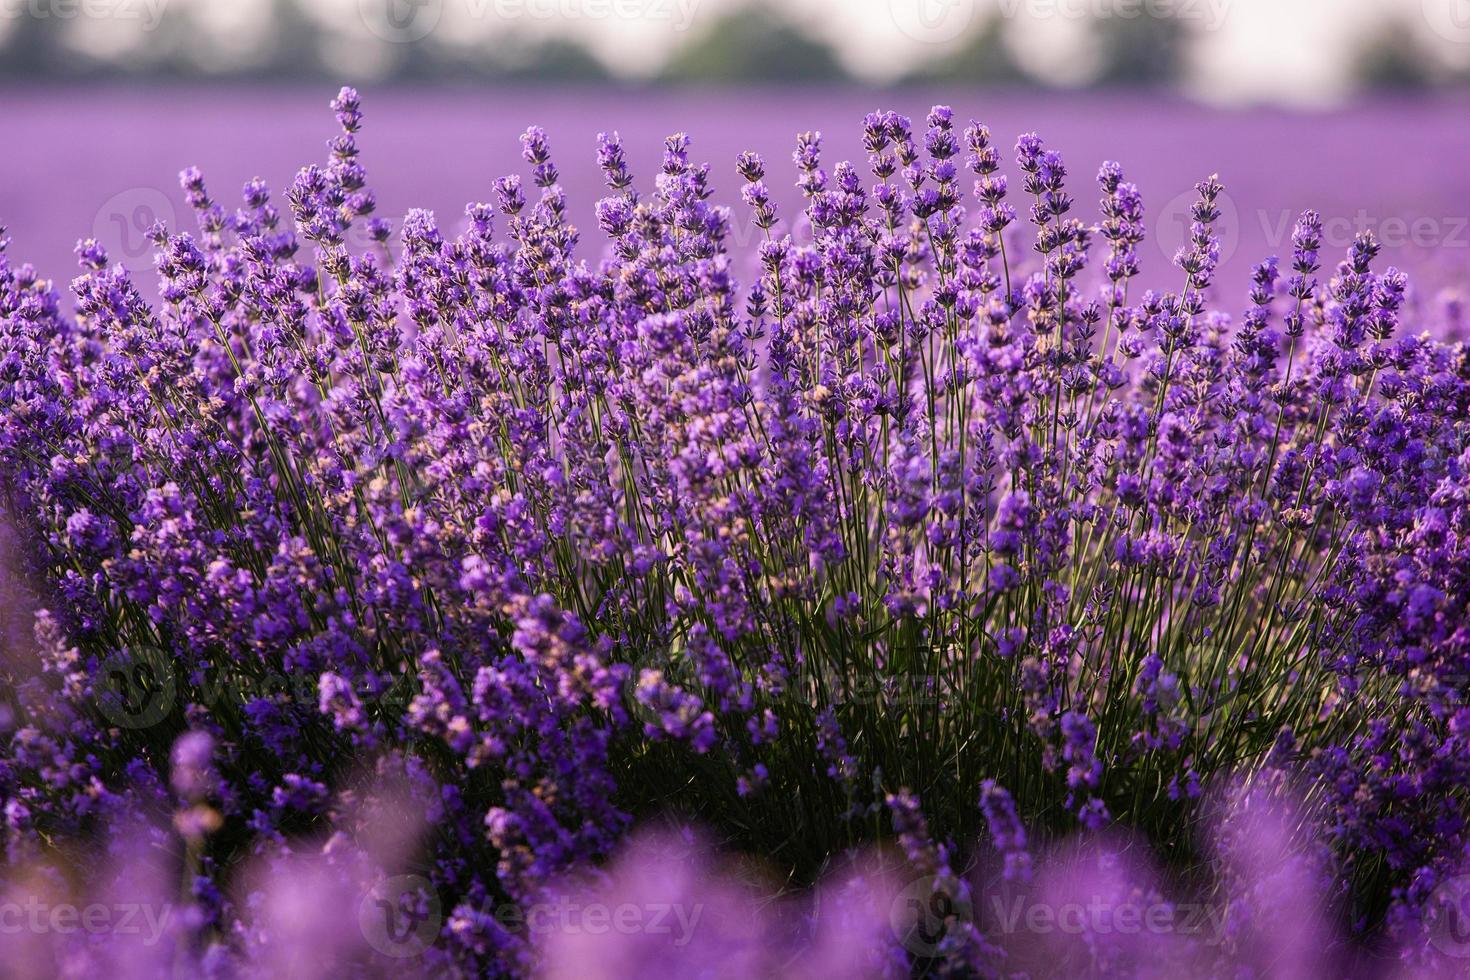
{"type": "Point", "coordinates": [753, 45]}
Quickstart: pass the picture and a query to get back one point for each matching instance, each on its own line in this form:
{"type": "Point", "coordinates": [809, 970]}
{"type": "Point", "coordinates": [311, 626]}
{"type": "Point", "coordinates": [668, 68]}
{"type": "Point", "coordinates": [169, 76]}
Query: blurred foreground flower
{"type": "Point", "coordinates": [938, 533]}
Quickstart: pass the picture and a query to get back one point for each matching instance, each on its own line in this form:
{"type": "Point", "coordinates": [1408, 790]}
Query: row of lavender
{"type": "Point", "coordinates": [937, 531]}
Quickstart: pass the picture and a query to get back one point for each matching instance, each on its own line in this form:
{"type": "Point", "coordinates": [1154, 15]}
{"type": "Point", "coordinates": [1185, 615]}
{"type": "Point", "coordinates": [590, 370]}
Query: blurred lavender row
{"type": "Point", "coordinates": [1385, 165]}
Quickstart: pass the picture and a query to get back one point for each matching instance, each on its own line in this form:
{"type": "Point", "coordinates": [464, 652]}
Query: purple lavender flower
{"type": "Point", "coordinates": [932, 499]}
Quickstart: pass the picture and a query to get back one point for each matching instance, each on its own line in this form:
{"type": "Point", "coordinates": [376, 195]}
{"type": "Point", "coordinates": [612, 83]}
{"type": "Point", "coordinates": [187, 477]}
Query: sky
{"type": "Point", "coordinates": [1241, 51]}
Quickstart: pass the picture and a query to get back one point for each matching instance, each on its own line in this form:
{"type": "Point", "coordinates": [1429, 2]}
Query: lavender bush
{"type": "Point", "coordinates": [936, 533]}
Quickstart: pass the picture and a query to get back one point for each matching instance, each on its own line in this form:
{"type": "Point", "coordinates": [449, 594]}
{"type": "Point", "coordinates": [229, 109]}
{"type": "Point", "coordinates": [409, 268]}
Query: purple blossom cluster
{"type": "Point", "coordinates": [913, 524]}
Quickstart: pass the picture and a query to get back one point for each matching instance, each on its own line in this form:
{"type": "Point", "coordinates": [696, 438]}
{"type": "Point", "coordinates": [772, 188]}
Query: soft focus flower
{"type": "Point", "coordinates": [920, 521]}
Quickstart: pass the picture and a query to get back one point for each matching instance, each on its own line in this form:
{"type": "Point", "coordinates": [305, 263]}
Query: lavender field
{"type": "Point", "coordinates": [1386, 166]}
{"type": "Point", "coordinates": [458, 533]}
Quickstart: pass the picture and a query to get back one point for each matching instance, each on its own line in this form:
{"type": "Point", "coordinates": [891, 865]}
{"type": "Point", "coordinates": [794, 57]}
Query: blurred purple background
{"type": "Point", "coordinates": [104, 162]}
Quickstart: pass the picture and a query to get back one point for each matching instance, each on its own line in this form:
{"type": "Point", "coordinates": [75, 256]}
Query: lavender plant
{"type": "Point", "coordinates": [940, 530]}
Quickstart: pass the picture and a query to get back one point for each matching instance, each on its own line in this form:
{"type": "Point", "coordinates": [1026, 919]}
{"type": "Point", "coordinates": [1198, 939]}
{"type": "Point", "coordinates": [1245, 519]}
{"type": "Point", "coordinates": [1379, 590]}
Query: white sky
{"type": "Point", "coordinates": [1243, 50]}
